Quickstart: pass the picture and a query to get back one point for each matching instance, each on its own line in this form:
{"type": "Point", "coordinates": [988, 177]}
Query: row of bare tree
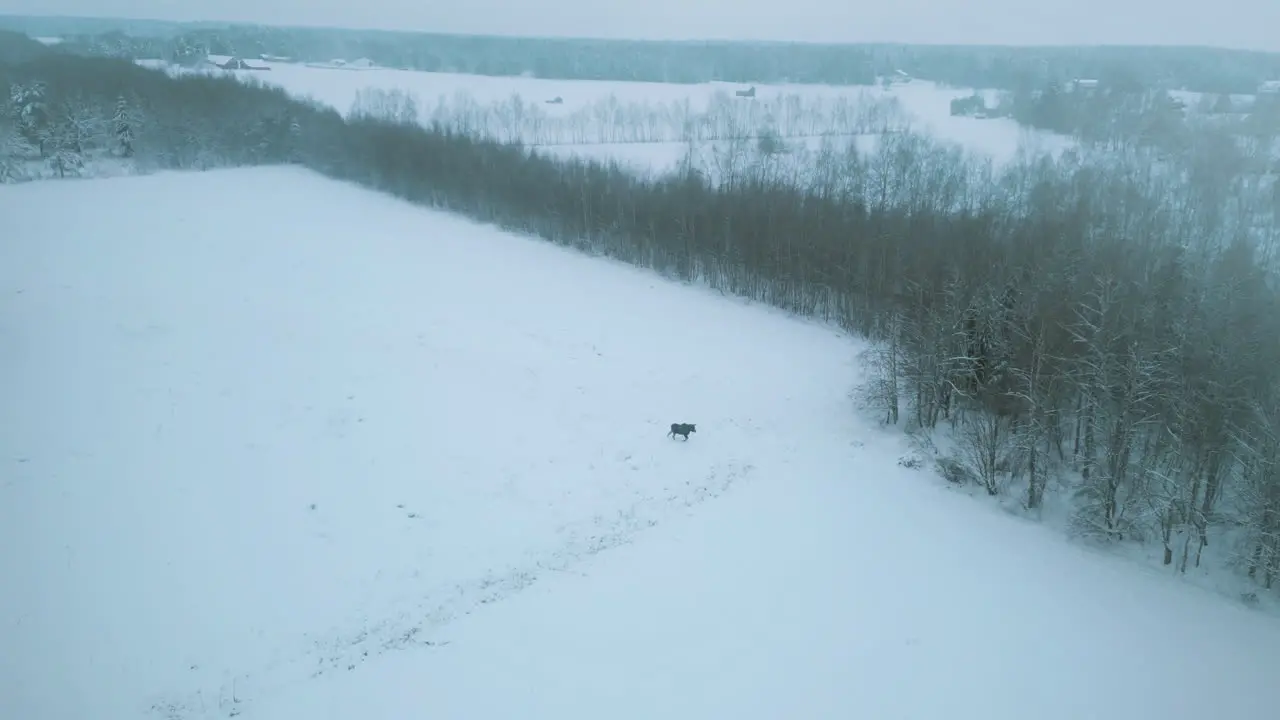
{"type": "Point", "coordinates": [612, 120]}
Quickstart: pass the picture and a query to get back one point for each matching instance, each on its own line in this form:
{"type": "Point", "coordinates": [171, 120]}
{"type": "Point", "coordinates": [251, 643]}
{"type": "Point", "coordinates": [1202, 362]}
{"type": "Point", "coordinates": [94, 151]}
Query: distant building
{"type": "Point", "coordinates": [236, 63]}
{"type": "Point", "coordinates": [1084, 85]}
{"type": "Point", "coordinates": [1270, 87]}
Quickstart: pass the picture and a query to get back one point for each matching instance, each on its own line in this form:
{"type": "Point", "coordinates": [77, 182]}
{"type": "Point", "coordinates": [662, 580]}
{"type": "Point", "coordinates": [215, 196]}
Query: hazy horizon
{"type": "Point", "coordinates": [1242, 24]}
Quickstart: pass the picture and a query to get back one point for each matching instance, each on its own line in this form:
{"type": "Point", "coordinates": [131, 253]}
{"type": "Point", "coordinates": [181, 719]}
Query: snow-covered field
{"type": "Point", "coordinates": [277, 447]}
{"type": "Point", "coordinates": [926, 105]}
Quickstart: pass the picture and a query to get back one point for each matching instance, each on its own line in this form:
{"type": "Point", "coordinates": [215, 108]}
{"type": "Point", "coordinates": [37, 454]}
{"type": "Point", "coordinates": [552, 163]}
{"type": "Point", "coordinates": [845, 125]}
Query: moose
{"type": "Point", "coordinates": [682, 429]}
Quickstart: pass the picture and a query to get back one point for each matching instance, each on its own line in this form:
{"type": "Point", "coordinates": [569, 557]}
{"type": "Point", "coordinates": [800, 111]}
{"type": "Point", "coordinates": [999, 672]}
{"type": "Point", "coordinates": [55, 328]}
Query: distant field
{"type": "Point", "coordinates": [617, 115]}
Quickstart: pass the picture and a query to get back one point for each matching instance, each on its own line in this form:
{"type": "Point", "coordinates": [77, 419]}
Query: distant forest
{"type": "Point", "coordinates": [1009, 68]}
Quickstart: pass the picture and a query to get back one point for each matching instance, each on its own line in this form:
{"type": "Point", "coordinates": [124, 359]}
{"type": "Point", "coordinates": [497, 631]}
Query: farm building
{"type": "Point", "coordinates": [235, 63]}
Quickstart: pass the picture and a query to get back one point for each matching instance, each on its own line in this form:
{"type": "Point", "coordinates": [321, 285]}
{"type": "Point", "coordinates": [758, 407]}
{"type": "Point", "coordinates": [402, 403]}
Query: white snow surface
{"type": "Point", "coordinates": [276, 447]}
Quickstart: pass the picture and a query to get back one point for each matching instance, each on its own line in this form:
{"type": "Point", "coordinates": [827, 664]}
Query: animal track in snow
{"type": "Point", "coordinates": [415, 623]}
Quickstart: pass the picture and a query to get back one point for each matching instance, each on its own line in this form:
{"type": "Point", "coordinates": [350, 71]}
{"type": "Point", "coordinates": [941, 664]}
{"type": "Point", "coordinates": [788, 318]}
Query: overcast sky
{"type": "Point", "coordinates": [1253, 24]}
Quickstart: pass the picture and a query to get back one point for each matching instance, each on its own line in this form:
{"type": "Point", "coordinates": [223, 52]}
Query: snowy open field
{"type": "Point", "coordinates": [641, 124]}
{"type": "Point", "coordinates": [281, 448]}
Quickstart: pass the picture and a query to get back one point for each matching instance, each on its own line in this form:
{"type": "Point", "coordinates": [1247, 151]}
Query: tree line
{"type": "Point", "coordinates": [1210, 70]}
{"type": "Point", "coordinates": [1086, 330]}
{"type": "Point", "coordinates": [68, 116]}
{"type": "Point", "coordinates": [1118, 115]}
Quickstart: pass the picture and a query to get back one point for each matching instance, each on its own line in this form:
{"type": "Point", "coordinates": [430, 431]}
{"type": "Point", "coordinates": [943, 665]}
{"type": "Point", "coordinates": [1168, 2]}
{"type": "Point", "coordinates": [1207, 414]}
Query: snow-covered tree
{"type": "Point", "coordinates": [10, 150]}
{"type": "Point", "coordinates": [27, 103]}
{"type": "Point", "coordinates": [124, 126]}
